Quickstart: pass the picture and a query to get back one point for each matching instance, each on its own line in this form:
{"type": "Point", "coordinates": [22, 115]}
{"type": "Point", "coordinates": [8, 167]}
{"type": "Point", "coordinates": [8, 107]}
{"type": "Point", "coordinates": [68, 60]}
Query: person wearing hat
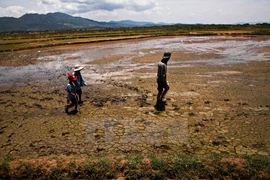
{"type": "Point", "coordinates": [72, 95]}
{"type": "Point", "coordinates": [163, 85]}
{"type": "Point", "coordinates": [80, 80]}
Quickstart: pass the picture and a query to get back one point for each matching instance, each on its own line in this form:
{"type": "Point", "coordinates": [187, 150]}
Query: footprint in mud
{"type": "Point", "coordinates": [2, 129]}
{"type": "Point", "coordinates": [143, 100]}
{"type": "Point", "coordinates": [98, 104]}
{"type": "Point", "coordinates": [46, 99]}
{"type": "Point", "coordinates": [38, 106]}
{"type": "Point", "coordinates": [175, 107]}
{"type": "Point", "coordinates": [102, 101]}
{"type": "Point", "coordinates": [6, 92]}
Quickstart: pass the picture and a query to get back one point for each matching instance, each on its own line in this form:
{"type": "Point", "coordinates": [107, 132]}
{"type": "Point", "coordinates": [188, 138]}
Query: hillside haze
{"type": "Point", "coordinates": [59, 21]}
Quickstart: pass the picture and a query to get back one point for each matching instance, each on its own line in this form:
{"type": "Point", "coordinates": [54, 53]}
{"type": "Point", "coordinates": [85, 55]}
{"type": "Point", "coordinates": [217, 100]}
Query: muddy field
{"type": "Point", "coordinates": [218, 102]}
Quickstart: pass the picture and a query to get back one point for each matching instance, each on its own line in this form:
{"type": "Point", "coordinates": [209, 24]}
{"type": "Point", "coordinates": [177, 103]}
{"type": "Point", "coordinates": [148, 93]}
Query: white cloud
{"type": "Point", "coordinates": [12, 11]}
{"type": "Point", "coordinates": [216, 11]}
{"type": "Point", "coordinates": [118, 14]}
{"type": "Point", "coordinates": [103, 10]}
{"type": "Point", "coordinates": [49, 2]}
{"type": "Point", "coordinates": [170, 11]}
{"type": "Point", "coordinates": [82, 6]}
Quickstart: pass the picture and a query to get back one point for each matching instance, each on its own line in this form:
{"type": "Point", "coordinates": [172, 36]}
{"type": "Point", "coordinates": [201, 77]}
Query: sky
{"type": "Point", "coordinates": [168, 11]}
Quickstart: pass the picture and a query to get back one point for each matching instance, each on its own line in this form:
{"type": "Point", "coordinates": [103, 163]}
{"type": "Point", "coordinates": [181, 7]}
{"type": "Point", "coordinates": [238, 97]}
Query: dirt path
{"type": "Point", "coordinates": [218, 101]}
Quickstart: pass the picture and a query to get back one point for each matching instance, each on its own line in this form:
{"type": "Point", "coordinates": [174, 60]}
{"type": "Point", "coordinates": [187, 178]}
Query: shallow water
{"type": "Point", "coordinates": [233, 50]}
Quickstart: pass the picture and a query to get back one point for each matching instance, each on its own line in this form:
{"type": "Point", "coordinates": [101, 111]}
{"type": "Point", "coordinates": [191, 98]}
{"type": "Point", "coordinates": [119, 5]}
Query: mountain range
{"type": "Point", "coordinates": [60, 21]}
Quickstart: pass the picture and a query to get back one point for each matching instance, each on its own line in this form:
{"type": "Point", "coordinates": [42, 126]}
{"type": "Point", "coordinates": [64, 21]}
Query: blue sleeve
{"type": "Point", "coordinates": [69, 88]}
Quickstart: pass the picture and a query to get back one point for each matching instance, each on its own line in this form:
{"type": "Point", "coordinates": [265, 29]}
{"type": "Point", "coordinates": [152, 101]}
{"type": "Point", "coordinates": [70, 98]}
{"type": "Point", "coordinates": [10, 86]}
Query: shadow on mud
{"type": "Point", "coordinates": [160, 107]}
{"type": "Point", "coordinates": [73, 112]}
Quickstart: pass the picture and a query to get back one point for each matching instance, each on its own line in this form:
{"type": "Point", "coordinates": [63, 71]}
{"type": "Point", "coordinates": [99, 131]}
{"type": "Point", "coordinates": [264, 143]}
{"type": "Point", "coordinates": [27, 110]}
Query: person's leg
{"type": "Point", "coordinates": [167, 87]}
{"type": "Point", "coordinates": [69, 106]}
{"type": "Point", "coordinates": [80, 98]}
{"type": "Point", "coordinates": [79, 92]}
{"type": "Point", "coordinates": [158, 97]}
{"type": "Point", "coordinates": [76, 104]}
{"type": "Point", "coordinates": [160, 90]}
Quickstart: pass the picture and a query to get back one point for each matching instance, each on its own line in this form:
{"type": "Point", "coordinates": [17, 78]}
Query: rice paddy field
{"type": "Point", "coordinates": [215, 124]}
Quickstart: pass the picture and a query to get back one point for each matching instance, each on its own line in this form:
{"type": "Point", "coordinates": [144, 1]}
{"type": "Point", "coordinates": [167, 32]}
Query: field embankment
{"type": "Point", "coordinates": [30, 40]}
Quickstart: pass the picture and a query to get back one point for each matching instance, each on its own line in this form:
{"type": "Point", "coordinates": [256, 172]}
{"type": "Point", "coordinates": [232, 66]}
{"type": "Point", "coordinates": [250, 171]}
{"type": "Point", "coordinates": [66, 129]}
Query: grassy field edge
{"type": "Point", "coordinates": [215, 166]}
{"type": "Point", "coordinates": [16, 41]}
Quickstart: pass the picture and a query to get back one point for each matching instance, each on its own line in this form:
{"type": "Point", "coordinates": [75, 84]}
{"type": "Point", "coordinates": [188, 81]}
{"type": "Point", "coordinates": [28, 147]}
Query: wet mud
{"type": "Point", "coordinates": [218, 101]}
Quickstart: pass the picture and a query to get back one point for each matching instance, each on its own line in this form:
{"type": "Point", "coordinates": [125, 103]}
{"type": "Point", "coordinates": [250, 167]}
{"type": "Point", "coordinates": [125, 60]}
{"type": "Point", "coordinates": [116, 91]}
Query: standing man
{"type": "Point", "coordinates": [80, 80]}
{"type": "Point", "coordinates": [163, 86]}
{"type": "Point", "coordinates": [72, 96]}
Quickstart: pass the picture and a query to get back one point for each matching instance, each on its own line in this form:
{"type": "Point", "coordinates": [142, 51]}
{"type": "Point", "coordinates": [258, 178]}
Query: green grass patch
{"type": "Point", "coordinates": [138, 167]}
{"type": "Point", "coordinates": [261, 32]}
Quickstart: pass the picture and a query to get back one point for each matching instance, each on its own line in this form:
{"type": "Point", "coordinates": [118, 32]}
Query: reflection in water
{"type": "Point", "coordinates": [232, 49]}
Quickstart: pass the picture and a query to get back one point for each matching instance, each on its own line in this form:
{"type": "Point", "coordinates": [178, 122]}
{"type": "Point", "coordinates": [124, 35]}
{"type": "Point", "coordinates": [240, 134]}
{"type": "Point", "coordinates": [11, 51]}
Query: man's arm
{"type": "Point", "coordinates": [162, 72]}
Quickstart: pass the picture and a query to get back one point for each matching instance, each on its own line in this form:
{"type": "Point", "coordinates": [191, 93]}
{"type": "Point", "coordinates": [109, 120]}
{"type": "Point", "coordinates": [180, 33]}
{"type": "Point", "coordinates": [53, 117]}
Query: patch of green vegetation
{"type": "Point", "coordinates": [96, 170]}
{"type": "Point", "coordinates": [24, 171]}
{"type": "Point", "coordinates": [55, 174]}
{"type": "Point", "coordinates": [5, 168]}
{"type": "Point", "coordinates": [261, 32]}
{"type": "Point", "coordinates": [133, 162]}
{"type": "Point", "coordinates": [257, 162]}
{"type": "Point", "coordinates": [139, 167]}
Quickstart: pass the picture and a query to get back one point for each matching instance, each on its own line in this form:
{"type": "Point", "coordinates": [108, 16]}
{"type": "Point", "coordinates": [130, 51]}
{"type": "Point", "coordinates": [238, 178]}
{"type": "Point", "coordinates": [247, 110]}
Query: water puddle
{"type": "Point", "coordinates": [232, 49]}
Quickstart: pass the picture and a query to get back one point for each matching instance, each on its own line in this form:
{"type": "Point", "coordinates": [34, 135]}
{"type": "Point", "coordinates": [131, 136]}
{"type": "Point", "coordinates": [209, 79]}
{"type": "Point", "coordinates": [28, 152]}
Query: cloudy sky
{"type": "Point", "coordinates": [169, 11]}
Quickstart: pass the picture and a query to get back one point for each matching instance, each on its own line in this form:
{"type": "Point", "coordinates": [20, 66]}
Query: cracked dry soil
{"type": "Point", "coordinates": [218, 101]}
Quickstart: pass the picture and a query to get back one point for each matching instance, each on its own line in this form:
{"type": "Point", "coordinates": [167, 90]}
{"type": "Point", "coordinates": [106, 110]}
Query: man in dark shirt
{"type": "Point", "coordinates": [80, 82]}
{"type": "Point", "coordinates": [163, 86]}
